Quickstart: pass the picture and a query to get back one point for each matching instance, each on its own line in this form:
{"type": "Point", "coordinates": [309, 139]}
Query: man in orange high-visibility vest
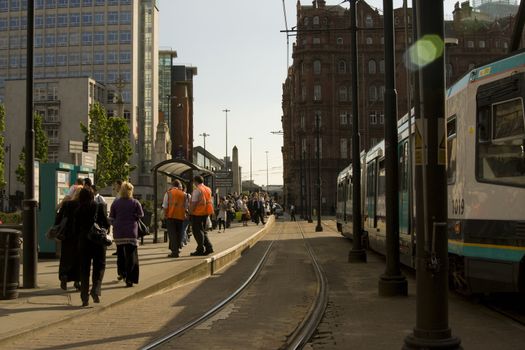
{"type": "Point", "coordinates": [174, 213]}
{"type": "Point", "coordinates": [201, 207]}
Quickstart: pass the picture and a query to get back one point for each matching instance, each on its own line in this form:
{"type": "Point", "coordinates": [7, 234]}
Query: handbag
{"type": "Point", "coordinates": [98, 234]}
{"type": "Point", "coordinates": [58, 231]}
{"type": "Point", "coordinates": [143, 228]}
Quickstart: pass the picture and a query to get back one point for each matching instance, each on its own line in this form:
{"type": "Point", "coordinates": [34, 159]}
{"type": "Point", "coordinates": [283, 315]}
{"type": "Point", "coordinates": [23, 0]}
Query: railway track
{"type": "Point", "coordinates": [305, 328]}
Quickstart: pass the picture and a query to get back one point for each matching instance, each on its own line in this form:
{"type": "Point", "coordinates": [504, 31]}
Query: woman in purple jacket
{"type": "Point", "coordinates": [124, 215]}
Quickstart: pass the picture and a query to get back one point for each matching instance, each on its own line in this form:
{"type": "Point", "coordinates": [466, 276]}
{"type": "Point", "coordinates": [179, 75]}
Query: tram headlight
{"type": "Point", "coordinates": [457, 228]}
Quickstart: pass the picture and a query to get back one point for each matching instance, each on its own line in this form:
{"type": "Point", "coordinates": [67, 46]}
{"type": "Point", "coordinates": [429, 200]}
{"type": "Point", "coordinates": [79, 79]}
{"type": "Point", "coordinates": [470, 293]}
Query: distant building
{"type": "Point", "coordinates": [181, 115]}
{"type": "Point", "coordinates": [319, 83]}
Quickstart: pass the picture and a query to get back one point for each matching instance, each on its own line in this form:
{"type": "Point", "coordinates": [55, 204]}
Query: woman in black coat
{"type": "Point", "coordinates": [90, 252]}
{"type": "Point", "coordinates": [69, 267]}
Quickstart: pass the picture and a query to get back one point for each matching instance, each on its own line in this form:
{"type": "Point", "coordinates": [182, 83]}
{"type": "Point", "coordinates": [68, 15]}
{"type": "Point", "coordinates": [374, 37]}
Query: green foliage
{"type": "Point", "coordinates": [41, 147]}
{"type": "Point", "coordinates": [11, 218]}
{"type": "Point", "coordinates": [112, 136]}
{"type": "Point", "coordinates": [2, 148]}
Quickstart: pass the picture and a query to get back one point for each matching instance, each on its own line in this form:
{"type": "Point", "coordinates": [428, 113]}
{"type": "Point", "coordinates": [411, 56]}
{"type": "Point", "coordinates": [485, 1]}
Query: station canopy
{"type": "Point", "coordinates": [179, 169]}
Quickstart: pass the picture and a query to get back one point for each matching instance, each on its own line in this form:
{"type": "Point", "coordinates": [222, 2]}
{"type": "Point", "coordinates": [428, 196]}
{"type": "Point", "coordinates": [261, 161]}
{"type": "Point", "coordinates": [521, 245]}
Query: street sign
{"type": "Point", "coordinates": [223, 178]}
{"type": "Point", "coordinates": [89, 159]}
{"type": "Point", "coordinates": [75, 146]}
{"type": "Point", "coordinates": [93, 147]}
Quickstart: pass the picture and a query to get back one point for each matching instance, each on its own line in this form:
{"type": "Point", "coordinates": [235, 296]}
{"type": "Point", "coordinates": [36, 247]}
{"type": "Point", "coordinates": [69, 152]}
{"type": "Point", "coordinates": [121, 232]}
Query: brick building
{"type": "Point", "coordinates": [319, 83]}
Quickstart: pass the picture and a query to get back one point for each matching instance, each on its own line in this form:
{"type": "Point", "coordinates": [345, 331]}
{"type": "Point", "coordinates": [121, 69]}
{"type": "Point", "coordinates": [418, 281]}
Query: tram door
{"type": "Point", "coordinates": [371, 193]}
{"type": "Point", "coordinates": [404, 193]}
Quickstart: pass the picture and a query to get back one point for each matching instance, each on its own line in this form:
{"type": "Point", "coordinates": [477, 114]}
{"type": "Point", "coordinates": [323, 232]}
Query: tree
{"type": "Point", "coordinates": [112, 136]}
{"type": "Point", "coordinates": [2, 148]}
{"type": "Point", "coordinates": [41, 146]}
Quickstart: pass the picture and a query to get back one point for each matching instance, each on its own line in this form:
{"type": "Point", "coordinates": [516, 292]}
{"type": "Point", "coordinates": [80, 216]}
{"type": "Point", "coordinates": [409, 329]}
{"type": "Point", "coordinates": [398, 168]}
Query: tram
{"type": "Point", "coordinates": [485, 176]}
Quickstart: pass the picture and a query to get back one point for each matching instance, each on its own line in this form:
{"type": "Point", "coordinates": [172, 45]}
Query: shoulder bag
{"type": "Point", "coordinates": [98, 234]}
{"type": "Point", "coordinates": [143, 228]}
{"type": "Point", "coordinates": [58, 231]}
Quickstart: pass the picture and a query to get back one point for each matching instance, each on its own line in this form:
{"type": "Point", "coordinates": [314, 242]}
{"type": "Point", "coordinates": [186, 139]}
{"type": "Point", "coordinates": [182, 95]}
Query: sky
{"type": "Point", "coordinates": [241, 58]}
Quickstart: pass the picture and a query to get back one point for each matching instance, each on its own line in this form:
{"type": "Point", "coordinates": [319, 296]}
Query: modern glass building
{"type": "Point", "coordinates": [114, 42]}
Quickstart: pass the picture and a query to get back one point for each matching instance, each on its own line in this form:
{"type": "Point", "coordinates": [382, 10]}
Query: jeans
{"type": "Point", "coordinates": [198, 226]}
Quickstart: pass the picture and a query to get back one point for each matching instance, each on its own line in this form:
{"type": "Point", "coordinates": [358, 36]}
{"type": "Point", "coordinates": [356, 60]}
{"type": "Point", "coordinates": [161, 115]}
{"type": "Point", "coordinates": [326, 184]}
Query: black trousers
{"type": "Point", "coordinates": [174, 228]}
{"type": "Point", "coordinates": [128, 262]}
{"type": "Point", "coordinates": [198, 226]}
{"type": "Point", "coordinates": [91, 253]}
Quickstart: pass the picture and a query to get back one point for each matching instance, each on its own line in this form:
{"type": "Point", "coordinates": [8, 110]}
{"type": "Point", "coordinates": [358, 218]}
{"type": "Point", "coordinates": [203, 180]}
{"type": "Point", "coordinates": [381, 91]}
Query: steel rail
{"type": "Point", "coordinates": [306, 329]}
{"type": "Point", "coordinates": [214, 309]}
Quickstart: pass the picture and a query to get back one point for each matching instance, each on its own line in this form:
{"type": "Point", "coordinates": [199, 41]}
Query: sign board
{"type": "Point", "coordinates": [89, 159]}
{"type": "Point", "coordinates": [36, 172]}
{"type": "Point", "coordinates": [93, 147]}
{"type": "Point", "coordinates": [75, 146]}
{"type": "Point", "coordinates": [223, 178]}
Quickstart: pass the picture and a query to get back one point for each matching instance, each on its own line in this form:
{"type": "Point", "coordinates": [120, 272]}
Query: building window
{"type": "Point", "coordinates": [320, 139]}
{"type": "Point", "coordinates": [381, 118]}
{"type": "Point", "coordinates": [125, 37]}
{"type": "Point", "coordinates": [50, 40]}
{"type": "Point", "coordinates": [306, 21]}
{"type": "Point", "coordinates": [317, 67]}
{"type": "Point", "coordinates": [99, 38]}
{"type": "Point", "coordinates": [100, 2]}
{"type": "Point", "coordinates": [316, 20]}
{"type": "Point", "coordinates": [341, 67]}
{"type": "Point", "coordinates": [13, 61]}
{"type": "Point", "coordinates": [74, 3]}
{"type": "Point", "coordinates": [74, 58]}
{"type": "Point", "coordinates": [381, 93]}
{"type": "Point", "coordinates": [369, 22]}
{"type": "Point", "coordinates": [62, 39]}
{"type": "Point", "coordinates": [99, 18]}
{"type": "Point", "coordinates": [113, 17]}
{"type": "Point", "coordinates": [62, 3]}
{"type": "Point", "coordinates": [372, 93]}
{"type": "Point", "coordinates": [369, 41]}
{"type": "Point", "coordinates": [52, 115]}
{"type": "Point", "coordinates": [303, 146]}
{"type": "Point", "coordinates": [50, 60]}
{"type": "Point", "coordinates": [87, 19]}
{"type": "Point", "coordinates": [343, 118]}
{"type": "Point", "coordinates": [61, 59]}
{"type": "Point", "coordinates": [52, 135]}
{"type": "Point", "coordinates": [74, 19]}
{"type": "Point", "coordinates": [39, 21]}
{"type": "Point", "coordinates": [302, 121]}
{"type": "Point", "coordinates": [382, 66]}
{"type": "Point", "coordinates": [14, 42]}
{"type": "Point", "coordinates": [470, 44]}
{"type": "Point", "coordinates": [125, 17]}
{"type": "Point", "coordinates": [482, 44]}
{"type": "Point", "coordinates": [98, 57]}
{"type": "Point", "coordinates": [316, 41]}
{"type": "Point", "coordinates": [14, 23]}
{"type": "Point", "coordinates": [86, 58]}
{"type": "Point", "coordinates": [318, 118]}
{"type": "Point", "coordinates": [343, 94]}
{"type": "Point", "coordinates": [344, 148]}
{"type": "Point", "coordinates": [373, 118]}
{"type": "Point", "coordinates": [112, 37]}
{"type": "Point", "coordinates": [125, 57]}
{"type": "Point", "coordinates": [74, 39]}
{"type": "Point", "coordinates": [303, 93]}
{"type": "Point", "coordinates": [340, 41]}
{"type": "Point", "coordinates": [87, 38]}
{"type": "Point", "coordinates": [372, 67]}
{"type": "Point", "coordinates": [112, 57]}
{"type": "Point", "coordinates": [62, 20]}
{"type": "Point", "coordinates": [317, 92]}
{"type": "Point", "coordinates": [87, 3]}
{"type": "Point", "coordinates": [38, 40]}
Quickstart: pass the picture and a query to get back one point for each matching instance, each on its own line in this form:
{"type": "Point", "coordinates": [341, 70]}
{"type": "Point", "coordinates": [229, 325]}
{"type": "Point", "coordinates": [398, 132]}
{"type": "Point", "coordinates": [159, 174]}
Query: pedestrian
{"type": "Point", "coordinates": [99, 199]}
{"type": "Point", "coordinates": [221, 216]}
{"type": "Point", "coordinates": [78, 183]}
{"type": "Point", "coordinates": [201, 207]}
{"type": "Point", "coordinates": [91, 253]}
{"type": "Point", "coordinates": [174, 213]}
{"type": "Point", "coordinates": [245, 216]}
{"type": "Point", "coordinates": [186, 223]}
{"type": "Point", "coordinates": [124, 215]}
{"type": "Point", "coordinates": [292, 212]}
{"type": "Point", "coordinates": [69, 265]}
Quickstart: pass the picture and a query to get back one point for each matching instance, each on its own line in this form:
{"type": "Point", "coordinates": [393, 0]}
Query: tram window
{"type": "Point", "coordinates": [451, 150]}
{"type": "Point", "coordinates": [381, 180]}
{"type": "Point", "coordinates": [508, 120]}
{"type": "Point", "coordinates": [403, 167]}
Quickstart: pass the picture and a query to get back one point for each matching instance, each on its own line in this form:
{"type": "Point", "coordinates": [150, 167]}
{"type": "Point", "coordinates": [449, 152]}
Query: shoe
{"type": "Point", "coordinates": [208, 252]}
{"type": "Point", "coordinates": [219, 231]}
{"type": "Point", "coordinates": [114, 253]}
{"type": "Point", "coordinates": [95, 297]}
{"type": "Point", "coordinates": [173, 255]}
{"type": "Point", "coordinates": [63, 285]}
{"type": "Point", "coordinates": [119, 278]}
{"type": "Point", "coordinates": [77, 285]}
{"type": "Point", "coordinates": [197, 254]}
{"type": "Point", "coordinates": [85, 303]}
{"type": "Point", "coordinates": [129, 284]}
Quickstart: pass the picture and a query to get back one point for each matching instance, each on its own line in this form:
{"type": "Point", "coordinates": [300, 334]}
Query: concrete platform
{"type": "Point", "coordinates": [48, 305]}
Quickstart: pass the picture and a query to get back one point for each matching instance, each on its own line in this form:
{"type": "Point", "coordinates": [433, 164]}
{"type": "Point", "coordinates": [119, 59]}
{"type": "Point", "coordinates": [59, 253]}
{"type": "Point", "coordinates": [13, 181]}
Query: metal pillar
{"type": "Point", "coordinates": [309, 187]}
{"type": "Point", "coordinates": [29, 204]}
{"type": "Point", "coordinates": [432, 330]}
{"type": "Point", "coordinates": [303, 181]}
{"type": "Point", "coordinates": [226, 110]}
{"type": "Point", "coordinates": [392, 282]}
{"type": "Point", "coordinates": [319, 227]}
{"type": "Point", "coordinates": [357, 254]}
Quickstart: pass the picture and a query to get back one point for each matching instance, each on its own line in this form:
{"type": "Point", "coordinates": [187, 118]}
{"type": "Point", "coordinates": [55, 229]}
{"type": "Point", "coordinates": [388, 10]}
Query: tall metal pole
{"type": "Point", "coordinates": [392, 282]}
{"type": "Point", "coordinates": [309, 186]}
{"type": "Point", "coordinates": [250, 138]}
{"type": "Point", "coordinates": [303, 181]}
{"type": "Point", "coordinates": [432, 330]}
{"type": "Point", "coordinates": [357, 254]}
{"type": "Point", "coordinates": [29, 204]}
{"type": "Point", "coordinates": [9, 180]}
{"type": "Point", "coordinates": [319, 227]}
{"type": "Point", "coordinates": [266, 170]}
{"type": "Point", "coordinates": [226, 110]}
{"type": "Point", "coordinates": [204, 135]}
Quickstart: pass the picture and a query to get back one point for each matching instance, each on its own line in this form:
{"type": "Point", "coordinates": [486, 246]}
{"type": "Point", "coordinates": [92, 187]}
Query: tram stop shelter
{"type": "Point", "coordinates": [176, 169]}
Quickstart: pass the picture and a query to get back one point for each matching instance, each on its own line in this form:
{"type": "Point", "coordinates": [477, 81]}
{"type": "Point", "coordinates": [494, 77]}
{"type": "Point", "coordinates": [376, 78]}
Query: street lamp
{"type": "Point", "coordinates": [318, 228]}
{"type": "Point", "coordinates": [8, 149]}
{"type": "Point", "coordinates": [266, 171]}
{"type": "Point", "coordinates": [226, 110]}
{"type": "Point", "coordinates": [204, 135]}
{"type": "Point", "coordinates": [250, 138]}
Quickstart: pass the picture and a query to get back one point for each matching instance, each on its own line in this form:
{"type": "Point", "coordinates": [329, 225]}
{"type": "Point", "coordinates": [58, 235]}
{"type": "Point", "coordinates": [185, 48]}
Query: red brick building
{"type": "Point", "coordinates": [319, 84]}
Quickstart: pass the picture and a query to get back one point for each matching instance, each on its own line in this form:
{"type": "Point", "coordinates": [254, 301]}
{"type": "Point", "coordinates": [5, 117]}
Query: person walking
{"type": "Point", "coordinates": [292, 212]}
{"type": "Point", "coordinates": [221, 217]}
{"type": "Point", "coordinates": [124, 215]}
{"type": "Point", "coordinates": [91, 253]}
{"type": "Point", "coordinates": [201, 207]}
{"type": "Point", "coordinates": [174, 213]}
{"type": "Point", "coordinates": [243, 207]}
{"type": "Point", "coordinates": [69, 265]}
{"type": "Point", "coordinates": [186, 223]}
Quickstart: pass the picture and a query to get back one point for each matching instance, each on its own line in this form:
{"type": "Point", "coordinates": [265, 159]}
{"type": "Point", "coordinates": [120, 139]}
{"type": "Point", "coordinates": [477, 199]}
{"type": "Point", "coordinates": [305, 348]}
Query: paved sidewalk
{"type": "Point", "coordinates": [49, 305]}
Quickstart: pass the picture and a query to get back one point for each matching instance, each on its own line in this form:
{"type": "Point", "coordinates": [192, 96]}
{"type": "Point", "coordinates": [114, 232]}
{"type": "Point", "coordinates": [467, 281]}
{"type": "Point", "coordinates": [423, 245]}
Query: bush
{"type": "Point", "coordinates": [11, 218]}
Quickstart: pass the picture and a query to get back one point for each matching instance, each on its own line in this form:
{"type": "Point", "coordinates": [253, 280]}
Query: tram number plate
{"type": "Point", "coordinates": [458, 206]}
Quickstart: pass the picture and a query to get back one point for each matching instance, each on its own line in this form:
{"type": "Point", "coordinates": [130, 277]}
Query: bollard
{"type": "Point", "coordinates": [10, 241]}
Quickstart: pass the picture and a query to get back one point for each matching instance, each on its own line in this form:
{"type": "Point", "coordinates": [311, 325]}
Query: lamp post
{"type": "Point", "coordinates": [226, 110]}
{"type": "Point", "coordinates": [204, 135]}
{"type": "Point", "coordinates": [8, 149]}
{"type": "Point", "coordinates": [309, 187]}
{"type": "Point", "coordinates": [319, 227]}
{"type": "Point", "coordinates": [266, 171]}
{"type": "Point", "coordinates": [250, 138]}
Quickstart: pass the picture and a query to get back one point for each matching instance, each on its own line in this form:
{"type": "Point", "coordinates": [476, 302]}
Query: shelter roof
{"type": "Point", "coordinates": [178, 168]}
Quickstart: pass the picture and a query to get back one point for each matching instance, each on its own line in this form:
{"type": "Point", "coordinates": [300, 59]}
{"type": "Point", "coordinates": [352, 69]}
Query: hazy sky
{"type": "Point", "coordinates": [240, 55]}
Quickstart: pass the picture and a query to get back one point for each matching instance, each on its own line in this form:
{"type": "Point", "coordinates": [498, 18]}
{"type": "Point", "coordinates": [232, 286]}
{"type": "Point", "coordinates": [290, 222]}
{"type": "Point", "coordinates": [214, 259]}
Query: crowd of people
{"type": "Point", "coordinates": [81, 256]}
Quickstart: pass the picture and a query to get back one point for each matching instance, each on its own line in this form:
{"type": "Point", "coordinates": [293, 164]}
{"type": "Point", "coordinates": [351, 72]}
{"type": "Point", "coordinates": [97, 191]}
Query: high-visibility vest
{"type": "Point", "coordinates": [205, 205]}
{"type": "Point", "coordinates": [176, 208]}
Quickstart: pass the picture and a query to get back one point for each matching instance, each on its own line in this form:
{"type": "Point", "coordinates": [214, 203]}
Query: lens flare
{"type": "Point", "coordinates": [425, 51]}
